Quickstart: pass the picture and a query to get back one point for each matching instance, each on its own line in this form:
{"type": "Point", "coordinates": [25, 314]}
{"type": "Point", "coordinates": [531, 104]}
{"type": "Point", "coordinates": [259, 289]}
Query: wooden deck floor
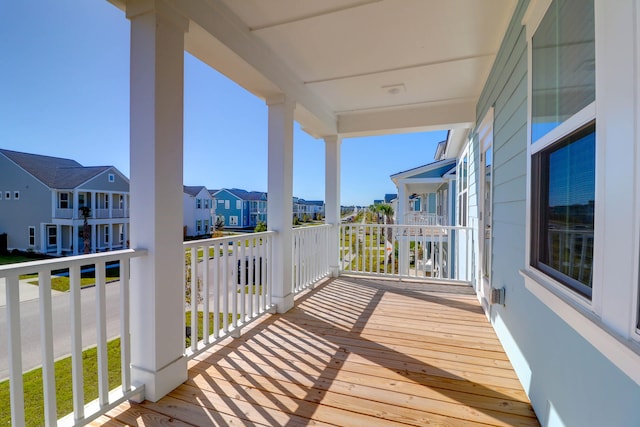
{"type": "Point", "coordinates": [353, 352]}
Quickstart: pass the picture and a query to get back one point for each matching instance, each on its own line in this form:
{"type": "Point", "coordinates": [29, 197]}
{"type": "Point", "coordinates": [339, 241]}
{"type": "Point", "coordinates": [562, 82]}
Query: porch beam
{"type": "Point", "coordinates": [157, 302]}
{"type": "Point", "coordinates": [332, 199]}
{"type": "Point", "coordinates": [280, 199]}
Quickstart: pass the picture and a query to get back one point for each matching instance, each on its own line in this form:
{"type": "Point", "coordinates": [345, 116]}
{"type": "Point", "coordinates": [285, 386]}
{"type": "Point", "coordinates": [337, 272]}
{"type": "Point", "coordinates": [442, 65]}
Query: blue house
{"type": "Point", "coordinates": [240, 208]}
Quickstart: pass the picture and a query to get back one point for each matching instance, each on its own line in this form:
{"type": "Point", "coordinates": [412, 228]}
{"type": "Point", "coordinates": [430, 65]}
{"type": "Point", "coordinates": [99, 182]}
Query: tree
{"type": "Point", "coordinates": [86, 231]}
{"type": "Point", "coordinates": [260, 227]}
{"type": "Point", "coordinates": [218, 227]}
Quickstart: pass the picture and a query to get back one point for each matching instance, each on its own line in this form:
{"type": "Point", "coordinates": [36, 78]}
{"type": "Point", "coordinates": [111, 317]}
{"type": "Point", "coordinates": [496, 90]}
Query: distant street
{"type": "Point", "coordinates": [30, 322]}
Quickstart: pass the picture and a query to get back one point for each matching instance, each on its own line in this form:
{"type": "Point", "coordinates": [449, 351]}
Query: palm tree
{"type": "Point", "coordinates": [86, 231]}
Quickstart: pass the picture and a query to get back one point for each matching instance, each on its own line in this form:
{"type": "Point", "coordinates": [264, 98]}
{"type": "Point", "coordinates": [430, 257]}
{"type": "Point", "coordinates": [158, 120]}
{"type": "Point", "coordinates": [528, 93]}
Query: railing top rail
{"type": "Point", "coordinates": [409, 226]}
{"type": "Point", "coordinates": [61, 263]}
{"type": "Point", "coordinates": [218, 240]}
{"type": "Point", "coordinates": [311, 227]}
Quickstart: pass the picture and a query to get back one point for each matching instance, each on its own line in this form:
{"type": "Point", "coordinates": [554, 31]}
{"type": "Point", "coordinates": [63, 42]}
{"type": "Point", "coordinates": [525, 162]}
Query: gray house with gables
{"type": "Point", "coordinates": [40, 201]}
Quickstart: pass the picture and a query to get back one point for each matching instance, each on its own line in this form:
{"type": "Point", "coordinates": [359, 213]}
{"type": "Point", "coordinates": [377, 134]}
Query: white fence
{"type": "Point", "coordinates": [232, 286]}
{"type": "Point", "coordinates": [73, 268]}
{"type": "Point", "coordinates": [433, 252]}
{"type": "Point", "coordinates": [310, 256]}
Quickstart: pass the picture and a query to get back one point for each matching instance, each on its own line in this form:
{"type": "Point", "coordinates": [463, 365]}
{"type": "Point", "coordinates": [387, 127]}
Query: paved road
{"type": "Point", "coordinates": [30, 326]}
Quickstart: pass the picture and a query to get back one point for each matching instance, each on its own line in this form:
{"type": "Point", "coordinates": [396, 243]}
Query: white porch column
{"type": "Point", "coordinates": [332, 145]}
{"type": "Point", "coordinates": [54, 203]}
{"type": "Point", "coordinates": [94, 238]}
{"type": "Point", "coordinates": [280, 199]}
{"type": "Point", "coordinates": [157, 304]}
{"type": "Point", "coordinates": [75, 213]}
{"type": "Point", "coordinates": [58, 239]}
{"type": "Point", "coordinates": [93, 204]}
{"type": "Point", "coordinates": [109, 199]}
{"type": "Point", "coordinates": [403, 243]}
{"type": "Point", "coordinates": [74, 239]}
{"type": "Point", "coordinates": [109, 230]}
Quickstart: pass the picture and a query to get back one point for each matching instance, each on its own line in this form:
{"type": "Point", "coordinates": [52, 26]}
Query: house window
{"type": "Point", "coordinates": [16, 195]}
{"type": "Point", "coordinates": [563, 209]}
{"type": "Point", "coordinates": [233, 220]}
{"type": "Point", "coordinates": [206, 226]}
{"type": "Point", "coordinates": [563, 150]}
{"type": "Point", "coordinates": [7, 195]}
{"type": "Point", "coordinates": [198, 203]}
{"type": "Point", "coordinates": [106, 201]}
{"type": "Point", "coordinates": [227, 204]}
{"type": "Point", "coordinates": [32, 236]}
{"type": "Point", "coordinates": [64, 200]}
{"type": "Point", "coordinates": [106, 234]}
{"type": "Point", "coordinates": [238, 204]}
{"type": "Point", "coordinates": [52, 236]}
{"type": "Point", "coordinates": [563, 65]}
{"type": "Point", "coordinates": [81, 200]}
{"type": "Point", "coordinates": [198, 226]}
{"type": "Point", "coordinates": [112, 178]}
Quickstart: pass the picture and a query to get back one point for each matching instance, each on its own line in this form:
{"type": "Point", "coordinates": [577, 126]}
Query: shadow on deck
{"type": "Point", "coordinates": [355, 351]}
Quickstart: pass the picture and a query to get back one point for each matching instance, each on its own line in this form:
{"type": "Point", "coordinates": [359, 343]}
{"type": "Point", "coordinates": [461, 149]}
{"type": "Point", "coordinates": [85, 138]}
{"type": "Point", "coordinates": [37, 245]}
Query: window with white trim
{"type": "Point", "coordinates": [52, 236]}
{"type": "Point", "coordinates": [112, 178]}
{"type": "Point", "coordinates": [238, 204]}
{"type": "Point", "coordinates": [233, 220]}
{"type": "Point", "coordinates": [32, 236]}
{"type": "Point", "coordinates": [63, 201]}
{"type": "Point", "coordinates": [563, 149]}
{"type": "Point", "coordinates": [198, 226]}
{"type": "Point", "coordinates": [106, 233]}
{"type": "Point", "coordinates": [16, 195]}
{"type": "Point", "coordinates": [7, 195]}
{"type": "Point", "coordinates": [463, 187]}
{"type": "Point", "coordinates": [198, 203]}
{"type": "Point", "coordinates": [227, 204]}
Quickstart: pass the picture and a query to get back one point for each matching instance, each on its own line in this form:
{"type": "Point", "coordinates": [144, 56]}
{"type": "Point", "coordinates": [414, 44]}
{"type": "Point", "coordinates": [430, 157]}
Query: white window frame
{"type": "Point", "coordinates": [609, 320]}
{"type": "Point", "coordinates": [463, 193]}
{"type": "Point", "coordinates": [7, 195]}
{"type": "Point", "coordinates": [227, 204]}
{"type": "Point", "coordinates": [112, 177]}
{"type": "Point", "coordinates": [61, 200]}
{"type": "Point", "coordinates": [198, 226]}
{"type": "Point", "coordinates": [31, 230]}
{"type": "Point", "coordinates": [106, 233]}
{"type": "Point", "coordinates": [50, 236]}
{"type": "Point", "coordinates": [233, 220]}
{"type": "Point", "coordinates": [16, 195]}
{"type": "Point", "coordinates": [238, 204]}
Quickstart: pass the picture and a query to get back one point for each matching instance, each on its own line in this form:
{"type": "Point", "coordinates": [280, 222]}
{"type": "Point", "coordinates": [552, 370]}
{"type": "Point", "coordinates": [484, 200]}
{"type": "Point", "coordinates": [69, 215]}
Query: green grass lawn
{"type": "Point", "coordinates": [12, 259]}
{"type": "Point", "coordinates": [62, 283]}
{"type": "Point", "coordinates": [34, 397]}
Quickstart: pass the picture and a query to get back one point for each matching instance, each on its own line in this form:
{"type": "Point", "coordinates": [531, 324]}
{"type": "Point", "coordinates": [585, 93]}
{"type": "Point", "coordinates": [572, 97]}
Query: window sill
{"type": "Point", "coordinates": [623, 353]}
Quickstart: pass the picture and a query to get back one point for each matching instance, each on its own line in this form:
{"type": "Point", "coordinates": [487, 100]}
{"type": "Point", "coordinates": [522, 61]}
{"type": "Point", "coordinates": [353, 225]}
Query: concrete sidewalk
{"type": "Point", "coordinates": [27, 291]}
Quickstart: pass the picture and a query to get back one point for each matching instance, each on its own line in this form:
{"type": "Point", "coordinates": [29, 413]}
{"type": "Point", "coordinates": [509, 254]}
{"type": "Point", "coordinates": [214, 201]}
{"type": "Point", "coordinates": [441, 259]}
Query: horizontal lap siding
{"type": "Point", "coordinates": [566, 378]}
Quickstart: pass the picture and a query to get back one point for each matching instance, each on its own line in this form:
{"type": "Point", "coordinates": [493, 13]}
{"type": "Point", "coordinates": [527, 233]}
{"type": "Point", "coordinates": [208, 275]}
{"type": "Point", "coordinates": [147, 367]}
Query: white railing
{"type": "Point", "coordinates": [117, 213]}
{"type": "Point", "coordinates": [101, 213]}
{"type": "Point", "coordinates": [64, 213]}
{"type": "Point", "coordinates": [430, 252]}
{"type": "Point", "coordinates": [73, 268]}
{"type": "Point", "coordinates": [232, 286]}
{"type": "Point", "coordinates": [424, 218]}
{"type": "Point", "coordinates": [310, 257]}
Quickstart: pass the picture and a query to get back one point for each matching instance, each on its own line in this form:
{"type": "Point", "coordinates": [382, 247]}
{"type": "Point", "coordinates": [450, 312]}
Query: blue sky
{"type": "Point", "coordinates": [64, 91]}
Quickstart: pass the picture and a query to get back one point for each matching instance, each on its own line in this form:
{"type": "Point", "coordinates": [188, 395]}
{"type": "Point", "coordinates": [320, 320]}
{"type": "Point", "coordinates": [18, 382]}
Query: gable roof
{"type": "Point", "coordinates": [54, 172]}
{"type": "Point", "coordinates": [431, 170]}
{"type": "Point", "coordinates": [244, 194]}
{"type": "Point", "coordinates": [193, 190]}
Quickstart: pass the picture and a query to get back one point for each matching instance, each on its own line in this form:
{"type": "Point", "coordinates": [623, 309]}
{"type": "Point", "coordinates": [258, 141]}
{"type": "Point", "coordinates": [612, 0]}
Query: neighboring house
{"type": "Point", "coordinates": [426, 194]}
{"type": "Point", "coordinates": [198, 207]}
{"type": "Point", "coordinates": [313, 209]}
{"type": "Point", "coordinates": [240, 208]}
{"type": "Point", "coordinates": [389, 198]}
{"type": "Point", "coordinates": [40, 198]}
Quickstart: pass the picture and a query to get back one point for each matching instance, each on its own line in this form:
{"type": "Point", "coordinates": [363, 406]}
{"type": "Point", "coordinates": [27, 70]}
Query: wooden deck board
{"type": "Point", "coordinates": [355, 351]}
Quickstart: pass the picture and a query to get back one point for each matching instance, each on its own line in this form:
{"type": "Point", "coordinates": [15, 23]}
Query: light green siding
{"type": "Point", "coordinates": [568, 381]}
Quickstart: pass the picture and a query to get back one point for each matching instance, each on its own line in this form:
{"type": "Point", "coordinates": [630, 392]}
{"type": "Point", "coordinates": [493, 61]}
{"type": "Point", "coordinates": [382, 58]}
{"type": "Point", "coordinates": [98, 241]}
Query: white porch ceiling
{"type": "Point", "coordinates": [355, 67]}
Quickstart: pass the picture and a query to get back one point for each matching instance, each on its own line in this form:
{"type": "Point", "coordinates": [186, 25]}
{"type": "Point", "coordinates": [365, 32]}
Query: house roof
{"type": "Point", "coordinates": [244, 194]}
{"type": "Point", "coordinates": [54, 172]}
{"type": "Point", "coordinates": [388, 198]}
{"type": "Point", "coordinates": [430, 170]}
{"type": "Point", "coordinates": [193, 190]}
